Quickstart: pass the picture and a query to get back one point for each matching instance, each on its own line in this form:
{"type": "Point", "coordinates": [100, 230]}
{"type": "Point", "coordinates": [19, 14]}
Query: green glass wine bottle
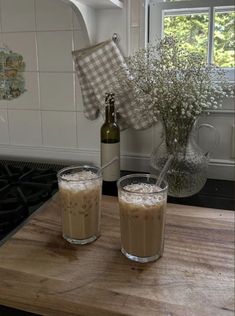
{"type": "Point", "coordinates": [110, 141]}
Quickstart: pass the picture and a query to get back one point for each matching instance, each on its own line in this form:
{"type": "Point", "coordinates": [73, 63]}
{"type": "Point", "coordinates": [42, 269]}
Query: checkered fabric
{"type": "Point", "coordinates": [95, 68]}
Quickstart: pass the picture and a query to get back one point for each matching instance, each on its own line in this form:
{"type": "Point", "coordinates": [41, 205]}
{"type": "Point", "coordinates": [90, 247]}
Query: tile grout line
{"type": "Point", "coordinates": [41, 31]}
{"type": "Point", "coordinates": [38, 72]}
{"type": "Point", "coordinates": [8, 122]}
{"type": "Point", "coordinates": [1, 18]}
{"type": "Point", "coordinates": [74, 80]}
{"type": "Point", "coordinates": [42, 110]}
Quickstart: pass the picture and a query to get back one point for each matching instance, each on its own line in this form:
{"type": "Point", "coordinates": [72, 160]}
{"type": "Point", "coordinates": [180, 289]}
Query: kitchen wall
{"type": "Point", "coordinates": [49, 114]}
{"type": "Point", "coordinates": [47, 122]}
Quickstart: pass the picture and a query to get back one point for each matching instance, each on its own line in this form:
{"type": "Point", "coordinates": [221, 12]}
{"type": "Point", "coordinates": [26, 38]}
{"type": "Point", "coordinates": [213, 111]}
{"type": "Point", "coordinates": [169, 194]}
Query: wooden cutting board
{"type": "Point", "coordinates": [42, 273]}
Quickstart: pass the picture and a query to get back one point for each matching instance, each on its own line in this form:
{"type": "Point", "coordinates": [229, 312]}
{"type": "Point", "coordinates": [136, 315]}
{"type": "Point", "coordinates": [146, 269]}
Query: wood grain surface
{"type": "Point", "coordinates": [42, 273]}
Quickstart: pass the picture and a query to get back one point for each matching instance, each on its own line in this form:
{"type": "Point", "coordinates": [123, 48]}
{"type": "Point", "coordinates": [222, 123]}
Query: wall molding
{"type": "Point", "coordinates": [218, 168]}
{"type": "Point", "coordinates": [222, 111]}
{"type": "Point", "coordinates": [222, 169]}
{"type": "Point", "coordinates": [69, 155]}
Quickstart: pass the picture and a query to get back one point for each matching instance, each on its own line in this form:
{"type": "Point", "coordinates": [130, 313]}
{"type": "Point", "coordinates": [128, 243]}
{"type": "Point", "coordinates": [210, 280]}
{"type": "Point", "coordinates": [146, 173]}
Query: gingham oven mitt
{"type": "Point", "coordinates": [96, 67]}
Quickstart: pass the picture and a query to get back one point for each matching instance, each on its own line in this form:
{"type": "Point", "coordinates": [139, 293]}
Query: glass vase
{"type": "Point", "coordinates": [187, 173]}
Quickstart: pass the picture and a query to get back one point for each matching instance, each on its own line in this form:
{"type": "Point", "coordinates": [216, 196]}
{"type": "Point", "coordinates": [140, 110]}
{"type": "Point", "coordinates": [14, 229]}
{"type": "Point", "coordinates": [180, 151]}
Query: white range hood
{"type": "Point", "coordinates": [100, 4]}
{"type": "Point", "coordinates": [86, 9]}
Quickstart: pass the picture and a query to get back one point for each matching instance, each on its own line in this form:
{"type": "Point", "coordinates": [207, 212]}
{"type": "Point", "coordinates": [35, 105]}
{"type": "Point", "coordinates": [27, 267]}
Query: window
{"type": "Point", "coordinates": [204, 26]}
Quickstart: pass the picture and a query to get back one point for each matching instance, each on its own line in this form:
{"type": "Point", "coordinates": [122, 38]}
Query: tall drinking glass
{"type": "Point", "coordinates": [80, 190]}
{"type": "Point", "coordinates": [142, 206]}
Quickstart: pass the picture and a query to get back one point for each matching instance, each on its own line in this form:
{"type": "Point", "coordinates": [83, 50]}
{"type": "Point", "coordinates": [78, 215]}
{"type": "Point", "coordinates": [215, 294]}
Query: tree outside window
{"type": "Point", "coordinates": [203, 26]}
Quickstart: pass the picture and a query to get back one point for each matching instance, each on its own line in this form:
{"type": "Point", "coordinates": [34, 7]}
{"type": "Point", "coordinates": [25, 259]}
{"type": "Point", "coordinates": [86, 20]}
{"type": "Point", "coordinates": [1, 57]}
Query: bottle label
{"type": "Point", "coordinates": [108, 152]}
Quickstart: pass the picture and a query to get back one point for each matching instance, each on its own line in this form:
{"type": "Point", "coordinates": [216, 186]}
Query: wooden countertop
{"type": "Point", "coordinates": [42, 273]}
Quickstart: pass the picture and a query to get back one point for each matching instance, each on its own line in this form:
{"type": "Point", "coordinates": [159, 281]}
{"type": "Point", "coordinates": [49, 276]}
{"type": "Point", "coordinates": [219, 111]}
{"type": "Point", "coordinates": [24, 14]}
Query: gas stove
{"type": "Point", "coordinates": [24, 187]}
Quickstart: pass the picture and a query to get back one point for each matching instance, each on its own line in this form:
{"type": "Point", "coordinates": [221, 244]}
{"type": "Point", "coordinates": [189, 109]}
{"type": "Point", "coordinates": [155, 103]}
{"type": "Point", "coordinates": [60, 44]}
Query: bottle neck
{"type": "Point", "coordinates": [110, 116]}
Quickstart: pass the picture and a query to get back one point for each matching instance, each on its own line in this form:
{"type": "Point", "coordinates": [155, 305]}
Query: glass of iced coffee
{"type": "Point", "coordinates": [142, 205]}
{"type": "Point", "coordinates": [80, 189]}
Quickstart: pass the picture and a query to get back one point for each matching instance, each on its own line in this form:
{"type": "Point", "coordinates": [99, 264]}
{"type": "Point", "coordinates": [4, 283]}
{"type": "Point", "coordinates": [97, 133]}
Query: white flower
{"type": "Point", "coordinates": [177, 81]}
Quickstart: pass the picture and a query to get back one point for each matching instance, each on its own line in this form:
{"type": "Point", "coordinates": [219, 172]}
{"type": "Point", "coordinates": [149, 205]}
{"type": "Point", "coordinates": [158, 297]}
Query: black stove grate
{"type": "Point", "coordinates": [24, 186]}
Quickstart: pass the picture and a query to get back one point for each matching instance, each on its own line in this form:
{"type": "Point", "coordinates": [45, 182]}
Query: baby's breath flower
{"type": "Point", "coordinates": [176, 84]}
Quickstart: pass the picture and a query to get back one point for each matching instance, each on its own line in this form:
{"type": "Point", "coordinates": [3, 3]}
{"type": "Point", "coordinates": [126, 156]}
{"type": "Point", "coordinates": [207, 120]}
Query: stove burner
{"type": "Point", "coordinates": [22, 190]}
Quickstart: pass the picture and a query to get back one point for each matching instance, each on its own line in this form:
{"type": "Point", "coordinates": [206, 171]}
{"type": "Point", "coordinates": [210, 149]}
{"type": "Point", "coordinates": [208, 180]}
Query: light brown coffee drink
{"type": "Point", "coordinates": [142, 228]}
{"type": "Point", "coordinates": [80, 197]}
{"type": "Point", "coordinates": [142, 220]}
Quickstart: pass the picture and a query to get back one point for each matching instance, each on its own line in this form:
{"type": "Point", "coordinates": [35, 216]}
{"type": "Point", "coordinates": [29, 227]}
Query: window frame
{"type": "Point", "coordinates": [156, 19]}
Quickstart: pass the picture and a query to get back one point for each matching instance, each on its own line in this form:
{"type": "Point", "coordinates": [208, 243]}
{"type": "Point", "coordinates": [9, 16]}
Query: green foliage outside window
{"type": "Point", "coordinates": [192, 30]}
{"type": "Point", "coordinates": [224, 39]}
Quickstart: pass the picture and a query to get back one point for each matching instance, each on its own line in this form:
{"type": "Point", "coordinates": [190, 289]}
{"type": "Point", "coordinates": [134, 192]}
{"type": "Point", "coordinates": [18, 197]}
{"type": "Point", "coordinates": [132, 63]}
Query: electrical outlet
{"type": "Point", "coordinates": [233, 142]}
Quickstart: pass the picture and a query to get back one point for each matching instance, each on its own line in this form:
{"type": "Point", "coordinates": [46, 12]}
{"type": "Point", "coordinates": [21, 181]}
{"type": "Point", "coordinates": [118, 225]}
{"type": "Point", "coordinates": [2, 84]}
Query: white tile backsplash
{"type": "Point", "coordinates": [43, 31]}
{"type": "Point", "coordinates": [78, 95]}
{"type": "Point", "coordinates": [77, 21]}
{"type": "Point", "coordinates": [57, 91]}
{"type": "Point", "coordinates": [136, 141]}
{"type": "Point", "coordinates": [3, 104]}
{"type": "Point", "coordinates": [25, 127]}
{"type": "Point", "coordinates": [23, 43]}
{"type": "Point", "coordinates": [17, 15]}
{"type": "Point", "coordinates": [53, 15]}
{"type": "Point", "coordinates": [88, 132]}
{"type": "Point", "coordinates": [157, 134]}
{"type": "Point", "coordinates": [54, 51]}
{"type": "Point", "coordinates": [30, 98]}
{"type": "Point", "coordinates": [50, 113]}
{"type": "Point", "coordinates": [80, 40]}
{"type": "Point", "coordinates": [1, 18]}
{"type": "Point", "coordinates": [59, 129]}
{"type": "Point", "coordinates": [4, 136]}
